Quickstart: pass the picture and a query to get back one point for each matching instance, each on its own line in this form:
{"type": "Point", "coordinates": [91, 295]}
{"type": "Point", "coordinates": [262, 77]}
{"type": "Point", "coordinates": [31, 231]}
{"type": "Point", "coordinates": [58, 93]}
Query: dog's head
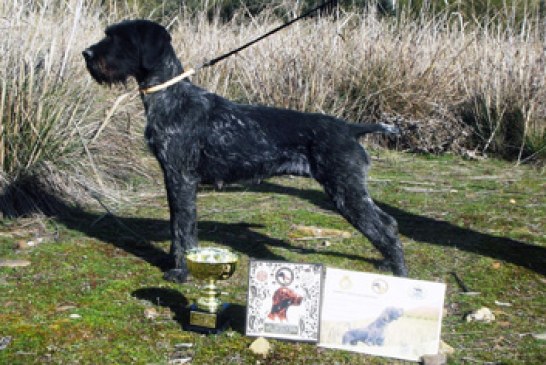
{"type": "Point", "coordinates": [286, 297]}
{"type": "Point", "coordinates": [391, 314]}
{"type": "Point", "coordinates": [130, 48]}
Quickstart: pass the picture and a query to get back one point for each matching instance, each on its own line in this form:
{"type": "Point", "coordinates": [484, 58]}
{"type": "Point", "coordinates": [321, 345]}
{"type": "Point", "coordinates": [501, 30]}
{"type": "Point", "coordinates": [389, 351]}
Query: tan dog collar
{"type": "Point", "coordinates": [166, 84]}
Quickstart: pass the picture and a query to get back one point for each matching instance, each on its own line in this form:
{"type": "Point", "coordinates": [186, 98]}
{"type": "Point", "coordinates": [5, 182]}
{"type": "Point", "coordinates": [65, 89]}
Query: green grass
{"type": "Point", "coordinates": [484, 220]}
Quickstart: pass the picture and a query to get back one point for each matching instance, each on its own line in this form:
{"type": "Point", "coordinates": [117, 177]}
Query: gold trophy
{"type": "Point", "coordinates": [210, 264]}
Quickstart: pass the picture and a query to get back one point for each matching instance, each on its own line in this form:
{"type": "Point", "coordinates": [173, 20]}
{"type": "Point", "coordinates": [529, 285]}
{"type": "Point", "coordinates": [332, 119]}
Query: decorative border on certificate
{"type": "Point", "coordinates": [284, 300]}
{"type": "Point", "coordinates": [381, 315]}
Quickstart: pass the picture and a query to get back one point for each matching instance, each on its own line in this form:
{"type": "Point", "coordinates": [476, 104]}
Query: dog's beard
{"type": "Point", "coordinates": [105, 74]}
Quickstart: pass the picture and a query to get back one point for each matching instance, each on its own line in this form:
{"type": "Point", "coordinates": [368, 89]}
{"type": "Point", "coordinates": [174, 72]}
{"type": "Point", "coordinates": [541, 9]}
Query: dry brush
{"type": "Point", "coordinates": [458, 84]}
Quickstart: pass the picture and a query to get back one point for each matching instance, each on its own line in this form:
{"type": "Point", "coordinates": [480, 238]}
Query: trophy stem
{"type": "Point", "coordinates": [210, 301]}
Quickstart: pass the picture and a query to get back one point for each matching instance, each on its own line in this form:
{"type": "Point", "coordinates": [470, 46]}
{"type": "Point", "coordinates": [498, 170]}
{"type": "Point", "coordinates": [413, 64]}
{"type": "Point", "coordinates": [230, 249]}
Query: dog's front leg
{"type": "Point", "coordinates": [181, 193]}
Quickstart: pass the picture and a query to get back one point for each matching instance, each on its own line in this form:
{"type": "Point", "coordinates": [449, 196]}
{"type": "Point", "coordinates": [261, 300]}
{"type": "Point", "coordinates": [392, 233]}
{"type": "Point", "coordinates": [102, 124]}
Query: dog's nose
{"type": "Point", "coordinates": [87, 54]}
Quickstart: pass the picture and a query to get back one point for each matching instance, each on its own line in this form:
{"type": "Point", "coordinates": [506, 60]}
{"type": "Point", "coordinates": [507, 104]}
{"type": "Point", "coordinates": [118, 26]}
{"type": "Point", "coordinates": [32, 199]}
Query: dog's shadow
{"type": "Point", "coordinates": [429, 230]}
{"type": "Point", "coordinates": [137, 235]}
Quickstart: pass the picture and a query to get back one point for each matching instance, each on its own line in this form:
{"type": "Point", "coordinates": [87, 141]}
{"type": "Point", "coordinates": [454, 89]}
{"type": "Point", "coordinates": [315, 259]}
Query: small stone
{"type": "Point", "coordinates": [180, 361]}
{"type": "Point", "coordinates": [183, 353]}
{"type": "Point", "coordinates": [439, 359]}
{"type": "Point", "coordinates": [4, 342]}
{"type": "Point", "coordinates": [503, 304]}
{"type": "Point", "coordinates": [64, 308]}
{"type": "Point", "coordinates": [260, 346]}
{"type": "Point", "coordinates": [473, 155]}
{"type": "Point", "coordinates": [326, 243]}
{"type": "Point", "coordinates": [445, 349]}
{"type": "Point", "coordinates": [26, 244]}
{"type": "Point", "coordinates": [307, 232]}
{"type": "Point", "coordinates": [483, 314]}
{"type": "Point", "coordinates": [14, 263]}
{"type": "Point", "coordinates": [539, 336]}
{"type": "Point", "coordinates": [74, 316]}
{"type": "Point", "coordinates": [22, 245]}
{"type": "Point", "coordinates": [151, 313]}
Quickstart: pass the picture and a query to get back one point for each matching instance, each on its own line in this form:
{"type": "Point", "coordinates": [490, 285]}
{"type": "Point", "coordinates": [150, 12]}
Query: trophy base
{"type": "Point", "coordinates": [201, 321]}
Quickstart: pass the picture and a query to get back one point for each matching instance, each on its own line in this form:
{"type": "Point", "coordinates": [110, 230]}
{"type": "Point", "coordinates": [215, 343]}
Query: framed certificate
{"type": "Point", "coordinates": [381, 315]}
{"type": "Point", "coordinates": [284, 300]}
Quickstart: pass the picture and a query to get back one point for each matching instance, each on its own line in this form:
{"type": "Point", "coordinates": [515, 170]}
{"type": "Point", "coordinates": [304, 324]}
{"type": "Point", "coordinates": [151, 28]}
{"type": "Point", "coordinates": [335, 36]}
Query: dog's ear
{"type": "Point", "coordinates": [155, 41]}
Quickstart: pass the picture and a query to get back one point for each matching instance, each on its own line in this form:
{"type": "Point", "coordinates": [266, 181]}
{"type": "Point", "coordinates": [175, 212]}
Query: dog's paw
{"type": "Point", "coordinates": [401, 271]}
{"type": "Point", "coordinates": [176, 275]}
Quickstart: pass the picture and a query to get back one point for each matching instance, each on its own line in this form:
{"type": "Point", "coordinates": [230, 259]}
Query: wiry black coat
{"type": "Point", "coordinates": [200, 137]}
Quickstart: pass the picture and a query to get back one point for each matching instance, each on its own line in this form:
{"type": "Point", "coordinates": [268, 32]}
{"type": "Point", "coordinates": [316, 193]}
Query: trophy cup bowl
{"type": "Point", "coordinates": [209, 264]}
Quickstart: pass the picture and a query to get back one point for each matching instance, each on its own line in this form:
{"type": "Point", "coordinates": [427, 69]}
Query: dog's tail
{"type": "Point", "coordinates": [361, 129]}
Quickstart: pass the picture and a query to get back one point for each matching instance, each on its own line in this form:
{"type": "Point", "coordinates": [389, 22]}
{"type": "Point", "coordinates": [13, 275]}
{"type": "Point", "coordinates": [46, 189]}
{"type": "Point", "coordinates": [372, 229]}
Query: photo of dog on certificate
{"type": "Point", "coordinates": [381, 315]}
{"type": "Point", "coordinates": [284, 300]}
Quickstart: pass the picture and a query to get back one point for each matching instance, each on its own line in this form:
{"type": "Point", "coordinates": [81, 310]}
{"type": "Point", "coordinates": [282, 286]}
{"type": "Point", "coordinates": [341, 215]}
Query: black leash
{"type": "Point", "coordinates": [193, 71]}
{"type": "Point", "coordinates": [281, 27]}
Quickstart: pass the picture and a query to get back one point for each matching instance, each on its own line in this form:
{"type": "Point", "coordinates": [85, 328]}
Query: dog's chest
{"type": "Point", "coordinates": [168, 139]}
{"type": "Point", "coordinates": [154, 138]}
{"type": "Point", "coordinates": [171, 123]}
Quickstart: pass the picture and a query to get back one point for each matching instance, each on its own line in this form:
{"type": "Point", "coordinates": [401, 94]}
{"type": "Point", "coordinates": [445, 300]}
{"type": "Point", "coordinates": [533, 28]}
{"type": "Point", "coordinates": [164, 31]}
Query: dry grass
{"type": "Point", "coordinates": [477, 86]}
{"type": "Point", "coordinates": [51, 140]}
{"type": "Point", "coordinates": [463, 85]}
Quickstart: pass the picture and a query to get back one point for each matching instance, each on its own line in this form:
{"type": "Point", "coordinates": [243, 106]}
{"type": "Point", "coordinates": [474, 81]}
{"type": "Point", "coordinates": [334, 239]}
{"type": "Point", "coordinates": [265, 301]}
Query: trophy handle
{"type": "Point", "coordinates": [226, 271]}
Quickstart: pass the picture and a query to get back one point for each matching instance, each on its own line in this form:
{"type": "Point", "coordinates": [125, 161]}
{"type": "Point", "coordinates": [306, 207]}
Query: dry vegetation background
{"type": "Point", "coordinates": [456, 83]}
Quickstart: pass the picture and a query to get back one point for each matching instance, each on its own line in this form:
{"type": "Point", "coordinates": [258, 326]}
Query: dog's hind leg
{"type": "Point", "coordinates": [344, 180]}
{"type": "Point", "coordinates": [380, 228]}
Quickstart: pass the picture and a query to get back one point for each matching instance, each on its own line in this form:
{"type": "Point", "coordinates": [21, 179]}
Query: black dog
{"type": "Point", "coordinates": [200, 137]}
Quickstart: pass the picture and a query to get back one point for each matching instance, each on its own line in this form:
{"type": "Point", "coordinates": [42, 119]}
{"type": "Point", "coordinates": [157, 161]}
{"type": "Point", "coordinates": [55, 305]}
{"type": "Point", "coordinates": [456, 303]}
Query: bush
{"type": "Point", "coordinates": [49, 112]}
